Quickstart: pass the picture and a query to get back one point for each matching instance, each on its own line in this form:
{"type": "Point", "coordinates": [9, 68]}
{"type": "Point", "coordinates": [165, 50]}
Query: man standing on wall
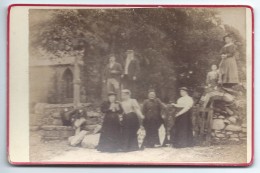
{"type": "Point", "coordinates": [131, 71]}
{"type": "Point", "coordinates": [112, 74]}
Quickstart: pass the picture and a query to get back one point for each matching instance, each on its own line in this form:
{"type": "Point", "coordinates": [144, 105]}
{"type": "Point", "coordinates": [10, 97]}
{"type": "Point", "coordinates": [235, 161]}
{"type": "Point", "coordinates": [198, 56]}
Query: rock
{"type": "Point", "coordinates": [229, 133]}
{"type": "Point", "coordinates": [229, 111]}
{"type": "Point", "coordinates": [97, 129]}
{"type": "Point", "coordinates": [64, 128]}
{"type": "Point", "coordinates": [77, 139]}
{"type": "Point", "coordinates": [244, 139]}
{"type": "Point", "coordinates": [216, 138]}
{"type": "Point", "coordinates": [233, 119]}
{"type": "Point", "coordinates": [57, 122]}
{"type": "Point", "coordinates": [220, 135]}
{"type": "Point", "coordinates": [234, 128]}
{"type": "Point", "coordinates": [50, 128]}
{"type": "Point", "coordinates": [227, 121]}
{"type": "Point", "coordinates": [56, 115]}
{"type": "Point", "coordinates": [234, 136]}
{"type": "Point", "coordinates": [242, 135]}
{"type": "Point", "coordinates": [90, 141]}
{"type": "Point", "coordinates": [218, 124]}
{"type": "Point", "coordinates": [92, 121]}
{"type": "Point", "coordinates": [233, 139]}
{"type": "Point", "coordinates": [221, 117]}
{"type": "Point", "coordinates": [243, 125]}
{"type": "Point", "coordinates": [213, 134]}
{"type": "Point", "coordinates": [93, 114]}
{"type": "Point", "coordinates": [244, 130]}
{"type": "Point", "coordinates": [59, 132]}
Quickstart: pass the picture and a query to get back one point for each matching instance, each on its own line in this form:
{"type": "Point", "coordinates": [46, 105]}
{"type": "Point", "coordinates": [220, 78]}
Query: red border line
{"type": "Point", "coordinates": [123, 163]}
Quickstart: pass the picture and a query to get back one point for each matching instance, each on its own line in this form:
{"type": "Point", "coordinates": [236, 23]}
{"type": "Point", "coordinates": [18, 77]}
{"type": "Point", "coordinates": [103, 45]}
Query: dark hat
{"type": "Point", "coordinates": [151, 90]}
{"type": "Point", "coordinates": [227, 35]}
{"type": "Point", "coordinates": [111, 93]}
{"type": "Point", "coordinates": [184, 88]}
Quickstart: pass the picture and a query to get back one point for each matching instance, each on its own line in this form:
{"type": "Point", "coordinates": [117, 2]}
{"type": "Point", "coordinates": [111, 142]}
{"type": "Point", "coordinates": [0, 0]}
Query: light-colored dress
{"type": "Point", "coordinates": [228, 66]}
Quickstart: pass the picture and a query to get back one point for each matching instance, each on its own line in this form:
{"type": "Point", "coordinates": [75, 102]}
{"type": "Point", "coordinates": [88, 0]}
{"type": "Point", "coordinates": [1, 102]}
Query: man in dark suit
{"type": "Point", "coordinates": [131, 71]}
{"type": "Point", "coordinates": [112, 74]}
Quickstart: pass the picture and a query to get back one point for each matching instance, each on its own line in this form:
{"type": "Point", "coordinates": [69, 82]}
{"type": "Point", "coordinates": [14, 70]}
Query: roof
{"type": "Point", "coordinates": [52, 61]}
{"type": "Point", "coordinates": [49, 59]}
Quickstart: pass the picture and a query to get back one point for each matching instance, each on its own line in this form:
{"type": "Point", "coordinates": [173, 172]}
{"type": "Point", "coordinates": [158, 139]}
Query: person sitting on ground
{"type": "Point", "coordinates": [79, 124]}
{"type": "Point", "coordinates": [66, 117]}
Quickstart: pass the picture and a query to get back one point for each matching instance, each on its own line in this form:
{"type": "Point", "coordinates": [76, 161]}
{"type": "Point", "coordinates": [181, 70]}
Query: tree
{"type": "Point", "coordinates": [175, 46]}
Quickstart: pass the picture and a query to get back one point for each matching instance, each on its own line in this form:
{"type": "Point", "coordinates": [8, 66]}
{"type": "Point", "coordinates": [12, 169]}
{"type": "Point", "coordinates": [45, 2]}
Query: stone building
{"type": "Point", "coordinates": [55, 80]}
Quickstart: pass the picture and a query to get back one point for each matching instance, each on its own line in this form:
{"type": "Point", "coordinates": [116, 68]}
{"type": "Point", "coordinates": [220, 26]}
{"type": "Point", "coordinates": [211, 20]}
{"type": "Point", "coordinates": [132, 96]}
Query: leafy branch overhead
{"type": "Point", "coordinates": [175, 46]}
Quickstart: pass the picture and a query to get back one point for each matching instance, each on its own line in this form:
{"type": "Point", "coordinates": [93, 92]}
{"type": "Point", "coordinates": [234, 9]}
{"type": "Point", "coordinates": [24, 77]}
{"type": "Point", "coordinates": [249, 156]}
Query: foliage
{"type": "Point", "coordinates": [175, 47]}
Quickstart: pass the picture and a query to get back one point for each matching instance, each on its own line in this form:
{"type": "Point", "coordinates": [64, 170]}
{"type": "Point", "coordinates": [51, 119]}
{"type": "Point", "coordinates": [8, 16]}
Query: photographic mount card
{"type": "Point", "coordinates": [130, 85]}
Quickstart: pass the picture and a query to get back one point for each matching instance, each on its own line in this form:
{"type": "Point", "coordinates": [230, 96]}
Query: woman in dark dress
{"type": "Point", "coordinates": [181, 134]}
{"type": "Point", "coordinates": [110, 133]}
{"type": "Point", "coordinates": [132, 119]}
{"type": "Point", "coordinates": [152, 108]}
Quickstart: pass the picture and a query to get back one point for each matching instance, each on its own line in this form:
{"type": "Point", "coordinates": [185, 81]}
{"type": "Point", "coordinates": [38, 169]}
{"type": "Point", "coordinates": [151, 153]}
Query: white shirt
{"type": "Point", "coordinates": [111, 64]}
{"type": "Point", "coordinates": [185, 102]}
{"type": "Point", "coordinates": [128, 60]}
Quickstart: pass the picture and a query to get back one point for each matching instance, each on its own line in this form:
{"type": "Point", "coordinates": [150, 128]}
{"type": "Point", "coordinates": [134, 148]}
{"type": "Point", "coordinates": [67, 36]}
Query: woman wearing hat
{"type": "Point", "coordinates": [132, 119]}
{"type": "Point", "coordinates": [110, 133]}
{"type": "Point", "coordinates": [228, 65]}
{"type": "Point", "coordinates": [181, 135]}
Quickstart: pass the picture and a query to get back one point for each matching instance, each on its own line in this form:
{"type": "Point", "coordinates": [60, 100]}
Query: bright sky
{"type": "Point", "coordinates": [235, 17]}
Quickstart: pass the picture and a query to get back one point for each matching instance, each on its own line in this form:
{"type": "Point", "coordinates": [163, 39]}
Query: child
{"type": "Point", "coordinates": [212, 77]}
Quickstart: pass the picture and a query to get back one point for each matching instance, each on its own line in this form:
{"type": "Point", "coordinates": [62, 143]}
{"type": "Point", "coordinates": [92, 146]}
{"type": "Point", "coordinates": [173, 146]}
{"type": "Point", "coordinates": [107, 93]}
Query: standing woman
{"type": "Point", "coordinates": [181, 135]}
{"type": "Point", "coordinates": [228, 65]}
{"type": "Point", "coordinates": [132, 119]}
{"type": "Point", "coordinates": [110, 133]}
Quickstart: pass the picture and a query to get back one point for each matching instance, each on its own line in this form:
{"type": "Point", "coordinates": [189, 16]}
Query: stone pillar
{"type": "Point", "coordinates": [76, 83]}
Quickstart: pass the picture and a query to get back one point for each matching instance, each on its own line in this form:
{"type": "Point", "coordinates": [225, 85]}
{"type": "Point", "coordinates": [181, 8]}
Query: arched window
{"type": "Point", "coordinates": [68, 83]}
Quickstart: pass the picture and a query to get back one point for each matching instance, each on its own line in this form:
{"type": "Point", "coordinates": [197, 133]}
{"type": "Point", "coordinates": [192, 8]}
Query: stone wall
{"type": "Point", "coordinates": [228, 129]}
{"type": "Point", "coordinates": [46, 120]}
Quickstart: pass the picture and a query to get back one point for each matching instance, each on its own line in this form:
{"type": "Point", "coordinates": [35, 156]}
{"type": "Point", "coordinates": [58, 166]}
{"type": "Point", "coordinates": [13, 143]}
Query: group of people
{"type": "Point", "coordinates": [117, 76]}
{"type": "Point", "coordinates": [227, 73]}
{"type": "Point", "coordinates": [223, 77]}
{"type": "Point", "coordinates": [123, 119]}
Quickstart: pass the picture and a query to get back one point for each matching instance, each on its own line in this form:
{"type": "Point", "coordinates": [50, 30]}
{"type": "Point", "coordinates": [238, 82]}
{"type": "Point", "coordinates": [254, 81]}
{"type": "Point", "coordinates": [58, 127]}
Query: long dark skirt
{"type": "Point", "coordinates": [181, 133]}
{"type": "Point", "coordinates": [130, 126]}
{"type": "Point", "coordinates": [109, 140]}
{"type": "Point", "coordinates": [152, 126]}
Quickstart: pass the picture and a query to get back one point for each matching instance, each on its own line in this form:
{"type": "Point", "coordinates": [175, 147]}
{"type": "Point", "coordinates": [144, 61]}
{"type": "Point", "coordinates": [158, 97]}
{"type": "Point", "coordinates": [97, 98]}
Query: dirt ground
{"type": "Point", "coordinates": [60, 151]}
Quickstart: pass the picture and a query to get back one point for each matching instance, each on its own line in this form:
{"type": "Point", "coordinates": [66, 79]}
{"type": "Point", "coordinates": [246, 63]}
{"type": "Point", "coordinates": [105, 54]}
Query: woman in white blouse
{"type": "Point", "coordinates": [181, 135]}
{"type": "Point", "coordinates": [131, 122]}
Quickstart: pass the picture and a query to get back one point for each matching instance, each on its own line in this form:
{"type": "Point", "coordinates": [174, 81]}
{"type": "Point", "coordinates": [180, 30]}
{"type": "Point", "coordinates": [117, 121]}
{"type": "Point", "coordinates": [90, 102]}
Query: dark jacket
{"type": "Point", "coordinates": [114, 72]}
{"type": "Point", "coordinates": [152, 108]}
{"type": "Point", "coordinates": [134, 68]}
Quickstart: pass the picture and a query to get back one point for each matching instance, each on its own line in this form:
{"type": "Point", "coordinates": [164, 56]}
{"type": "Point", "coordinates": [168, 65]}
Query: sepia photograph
{"type": "Point", "coordinates": [133, 85]}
